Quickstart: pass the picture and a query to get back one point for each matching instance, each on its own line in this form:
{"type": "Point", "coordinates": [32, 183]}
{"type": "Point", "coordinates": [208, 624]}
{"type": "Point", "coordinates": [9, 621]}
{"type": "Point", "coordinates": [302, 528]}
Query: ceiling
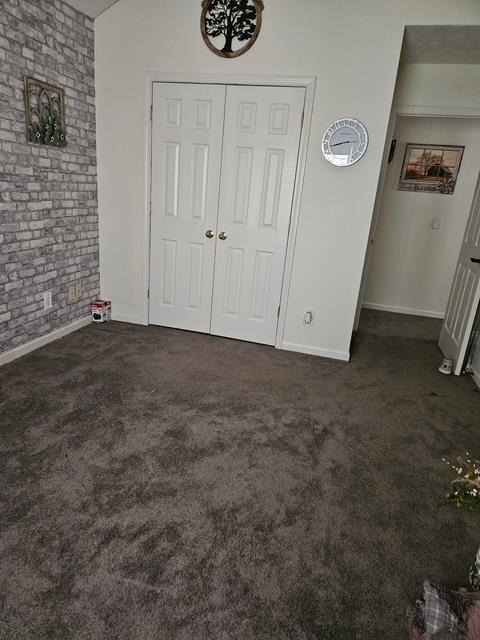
{"type": "Point", "coordinates": [92, 8]}
{"type": "Point", "coordinates": [442, 44]}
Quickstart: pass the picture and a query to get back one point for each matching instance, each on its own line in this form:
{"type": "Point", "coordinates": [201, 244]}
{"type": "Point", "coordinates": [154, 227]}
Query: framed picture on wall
{"type": "Point", "coordinates": [431, 168]}
{"type": "Point", "coordinates": [45, 110]}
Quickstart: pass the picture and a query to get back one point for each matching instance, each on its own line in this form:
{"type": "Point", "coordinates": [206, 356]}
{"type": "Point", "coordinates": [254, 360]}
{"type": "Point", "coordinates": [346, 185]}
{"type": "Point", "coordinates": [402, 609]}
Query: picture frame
{"type": "Point", "coordinates": [45, 113]}
{"type": "Point", "coordinates": [430, 168]}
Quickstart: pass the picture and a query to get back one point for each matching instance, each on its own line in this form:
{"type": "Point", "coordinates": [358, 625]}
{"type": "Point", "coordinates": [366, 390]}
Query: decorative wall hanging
{"type": "Point", "coordinates": [345, 142]}
{"type": "Point", "coordinates": [45, 109]}
{"type": "Point", "coordinates": [430, 168]}
{"type": "Point", "coordinates": [230, 27]}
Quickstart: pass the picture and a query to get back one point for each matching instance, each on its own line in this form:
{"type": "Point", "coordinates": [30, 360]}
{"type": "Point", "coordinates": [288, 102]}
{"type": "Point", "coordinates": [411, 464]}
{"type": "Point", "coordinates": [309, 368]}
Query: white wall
{"type": "Point", "coordinates": [439, 85]}
{"type": "Point", "coordinates": [412, 265]}
{"type": "Point", "coordinates": [353, 47]}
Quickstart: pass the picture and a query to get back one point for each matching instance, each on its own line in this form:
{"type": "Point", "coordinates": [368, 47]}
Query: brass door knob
{"type": "Point", "coordinates": [209, 234]}
{"type": "Point", "coordinates": [222, 235]}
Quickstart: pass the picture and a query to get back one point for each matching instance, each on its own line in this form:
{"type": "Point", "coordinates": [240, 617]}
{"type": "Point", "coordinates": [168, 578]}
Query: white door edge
{"type": "Point", "coordinates": [309, 84]}
{"type": "Point", "coordinates": [453, 343]}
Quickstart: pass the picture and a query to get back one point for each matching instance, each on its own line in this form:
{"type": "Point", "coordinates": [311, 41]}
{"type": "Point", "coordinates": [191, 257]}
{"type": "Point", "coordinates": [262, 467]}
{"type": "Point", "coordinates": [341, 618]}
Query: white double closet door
{"type": "Point", "coordinates": [224, 161]}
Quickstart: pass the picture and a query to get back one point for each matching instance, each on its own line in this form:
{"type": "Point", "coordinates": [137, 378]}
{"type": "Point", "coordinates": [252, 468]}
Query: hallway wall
{"type": "Point", "coordinates": [438, 85]}
{"type": "Point", "coordinates": [412, 264]}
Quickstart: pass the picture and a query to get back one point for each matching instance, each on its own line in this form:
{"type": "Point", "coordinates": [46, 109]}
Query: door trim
{"type": "Point", "coordinates": [306, 82]}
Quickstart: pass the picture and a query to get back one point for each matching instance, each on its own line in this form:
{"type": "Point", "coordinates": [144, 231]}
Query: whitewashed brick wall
{"type": "Point", "coordinates": [48, 196]}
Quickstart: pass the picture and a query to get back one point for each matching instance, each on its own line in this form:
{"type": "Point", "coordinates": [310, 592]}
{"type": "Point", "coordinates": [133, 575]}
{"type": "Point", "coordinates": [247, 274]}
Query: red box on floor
{"type": "Point", "coordinates": [101, 310]}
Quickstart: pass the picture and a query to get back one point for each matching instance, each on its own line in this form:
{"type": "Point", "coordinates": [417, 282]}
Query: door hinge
{"type": "Point", "coordinates": [148, 294]}
{"type": "Point", "coordinates": [278, 311]}
{"type": "Point", "coordinates": [150, 209]}
{"type": "Point", "coordinates": [303, 118]}
{"type": "Point", "coordinates": [151, 111]}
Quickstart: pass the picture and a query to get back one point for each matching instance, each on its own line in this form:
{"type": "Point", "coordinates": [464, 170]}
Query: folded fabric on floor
{"type": "Point", "coordinates": [443, 610]}
{"type": "Point", "coordinates": [444, 614]}
{"type": "Point", "coordinates": [474, 622]}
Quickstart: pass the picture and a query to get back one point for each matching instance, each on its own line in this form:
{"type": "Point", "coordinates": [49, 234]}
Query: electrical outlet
{"type": "Point", "coordinates": [308, 317]}
{"type": "Point", "coordinates": [74, 292]}
{"type": "Point", "coordinates": [47, 300]}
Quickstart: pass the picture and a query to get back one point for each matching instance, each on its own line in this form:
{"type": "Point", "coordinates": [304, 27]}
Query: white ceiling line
{"type": "Point", "coordinates": [92, 8]}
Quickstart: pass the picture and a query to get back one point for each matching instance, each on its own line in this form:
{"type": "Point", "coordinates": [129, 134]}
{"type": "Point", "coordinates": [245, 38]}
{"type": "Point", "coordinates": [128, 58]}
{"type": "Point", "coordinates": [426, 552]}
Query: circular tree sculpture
{"type": "Point", "coordinates": [231, 23]}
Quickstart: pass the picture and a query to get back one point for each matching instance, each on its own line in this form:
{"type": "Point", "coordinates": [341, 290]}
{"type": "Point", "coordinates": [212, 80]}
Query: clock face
{"type": "Point", "coordinates": [345, 142]}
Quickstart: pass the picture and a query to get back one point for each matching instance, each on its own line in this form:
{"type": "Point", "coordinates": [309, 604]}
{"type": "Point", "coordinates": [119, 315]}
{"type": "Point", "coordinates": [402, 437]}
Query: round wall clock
{"type": "Point", "coordinates": [345, 142]}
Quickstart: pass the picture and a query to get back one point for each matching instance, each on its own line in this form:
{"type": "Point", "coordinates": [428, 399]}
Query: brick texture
{"type": "Point", "coordinates": [48, 196]}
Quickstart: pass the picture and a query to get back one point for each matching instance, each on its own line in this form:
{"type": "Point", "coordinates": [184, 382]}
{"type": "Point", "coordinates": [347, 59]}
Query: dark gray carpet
{"type": "Point", "coordinates": [161, 485]}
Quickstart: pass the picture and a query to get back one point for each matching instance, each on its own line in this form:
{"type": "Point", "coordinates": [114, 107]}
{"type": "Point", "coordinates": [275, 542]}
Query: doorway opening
{"type": "Point", "coordinates": [427, 197]}
{"type": "Point", "coordinates": [419, 233]}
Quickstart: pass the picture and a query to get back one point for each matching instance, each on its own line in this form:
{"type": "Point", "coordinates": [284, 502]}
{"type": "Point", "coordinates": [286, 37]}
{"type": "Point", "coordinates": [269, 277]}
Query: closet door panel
{"type": "Point", "coordinates": [187, 131]}
{"type": "Point", "coordinates": [260, 152]}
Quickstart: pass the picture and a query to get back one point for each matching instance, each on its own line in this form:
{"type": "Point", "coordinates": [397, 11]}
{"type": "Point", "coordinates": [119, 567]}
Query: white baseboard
{"type": "Point", "coordinates": [407, 310]}
{"type": "Point", "coordinates": [120, 317]}
{"type": "Point", "coordinates": [314, 351]}
{"type": "Point", "coordinates": [23, 349]}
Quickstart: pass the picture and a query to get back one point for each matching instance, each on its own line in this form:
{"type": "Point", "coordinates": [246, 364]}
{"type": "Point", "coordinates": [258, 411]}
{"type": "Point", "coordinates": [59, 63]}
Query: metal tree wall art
{"type": "Point", "coordinates": [45, 108]}
{"type": "Point", "coordinates": [230, 27]}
